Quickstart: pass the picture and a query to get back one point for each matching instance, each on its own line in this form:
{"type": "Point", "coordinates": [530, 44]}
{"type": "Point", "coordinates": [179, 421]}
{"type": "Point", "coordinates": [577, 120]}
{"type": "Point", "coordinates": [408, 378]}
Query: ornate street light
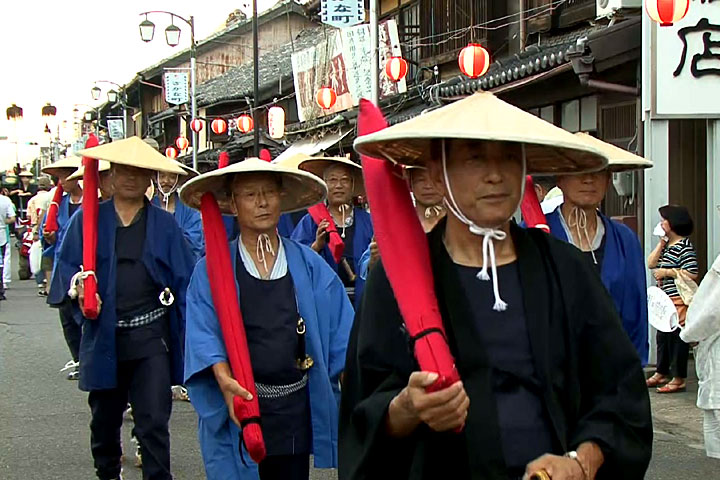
{"type": "Point", "coordinates": [147, 30]}
{"type": "Point", "coordinates": [172, 35]}
{"type": "Point", "coordinates": [95, 92]}
{"type": "Point", "coordinates": [112, 96]}
{"type": "Point", "coordinates": [49, 110]}
{"type": "Point", "coordinates": [14, 112]}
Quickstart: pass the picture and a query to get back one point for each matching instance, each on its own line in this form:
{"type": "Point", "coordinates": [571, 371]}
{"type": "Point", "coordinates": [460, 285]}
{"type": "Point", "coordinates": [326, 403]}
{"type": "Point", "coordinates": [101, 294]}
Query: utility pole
{"type": "Point", "coordinates": [256, 81]}
{"type": "Point", "coordinates": [375, 62]}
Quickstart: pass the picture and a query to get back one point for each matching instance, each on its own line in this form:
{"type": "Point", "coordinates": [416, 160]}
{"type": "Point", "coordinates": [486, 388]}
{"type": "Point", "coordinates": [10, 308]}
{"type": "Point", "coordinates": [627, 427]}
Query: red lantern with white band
{"type": "Point", "coordinates": [326, 98]}
{"type": "Point", "coordinates": [181, 143]}
{"type": "Point", "coordinates": [244, 123]}
{"type": "Point", "coordinates": [218, 126]}
{"type": "Point", "coordinates": [276, 122]}
{"type": "Point", "coordinates": [474, 60]}
{"type": "Point", "coordinates": [170, 152]}
{"type": "Point", "coordinates": [197, 125]}
{"type": "Point", "coordinates": [396, 68]}
{"type": "Point", "coordinates": [667, 12]}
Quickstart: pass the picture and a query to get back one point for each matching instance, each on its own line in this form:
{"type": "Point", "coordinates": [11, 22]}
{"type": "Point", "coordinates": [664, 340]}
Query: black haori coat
{"type": "Point", "coordinates": [593, 384]}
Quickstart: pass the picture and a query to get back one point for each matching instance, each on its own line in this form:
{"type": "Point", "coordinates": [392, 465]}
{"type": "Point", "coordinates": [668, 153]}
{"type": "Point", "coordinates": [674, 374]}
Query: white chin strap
{"type": "Point", "coordinates": [434, 211]}
{"type": "Point", "coordinates": [166, 196]}
{"type": "Point", "coordinates": [581, 227]}
{"type": "Point", "coordinates": [344, 208]}
{"type": "Point", "coordinates": [488, 234]}
{"type": "Point", "coordinates": [264, 245]}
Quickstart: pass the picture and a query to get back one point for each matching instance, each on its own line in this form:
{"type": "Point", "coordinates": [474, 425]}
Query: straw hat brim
{"type": "Point", "coordinates": [619, 160]}
{"type": "Point", "coordinates": [293, 161]}
{"type": "Point", "coordinates": [26, 174]}
{"type": "Point", "coordinates": [300, 189]}
{"type": "Point", "coordinates": [103, 166]}
{"type": "Point", "coordinates": [63, 166]}
{"type": "Point", "coordinates": [135, 153]}
{"type": "Point", "coordinates": [318, 165]}
{"type": "Point", "coordinates": [485, 118]}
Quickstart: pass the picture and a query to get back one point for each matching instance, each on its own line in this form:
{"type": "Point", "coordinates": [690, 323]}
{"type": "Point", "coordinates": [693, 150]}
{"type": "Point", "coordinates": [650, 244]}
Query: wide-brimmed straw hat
{"type": "Point", "coordinates": [619, 160]}
{"type": "Point", "coordinates": [135, 153]}
{"type": "Point", "coordinates": [300, 189]}
{"type": "Point", "coordinates": [484, 117]}
{"type": "Point", "coordinates": [26, 173]}
{"type": "Point", "coordinates": [318, 165]}
{"type": "Point", "coordinates": [293, 161]}
{"type": "Point", "coordinates": [63, 166]}
{"type": "Point", "coordinates": [103, 166]}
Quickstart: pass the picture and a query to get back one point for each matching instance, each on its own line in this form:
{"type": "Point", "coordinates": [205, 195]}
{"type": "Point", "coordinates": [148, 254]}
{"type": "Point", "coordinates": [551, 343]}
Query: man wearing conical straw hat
{"type": "Point", "coordinates": [66, 198]}
{"type": "Point", "coordinates": [105, 183]}
{"type": "Point", "coordinates": [338, 231]}
{"type": "Point", "coordinates": [610, 246]}
{"type": "Point", "coordinates": [268, 323]}
{"type": "Point", "coordinates": [133, 333]}
{"type": "Point", "coordinates": [512, 331]}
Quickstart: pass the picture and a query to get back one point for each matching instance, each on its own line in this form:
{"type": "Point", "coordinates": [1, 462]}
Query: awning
{"type": "Point", "coordinates": [311, 146]}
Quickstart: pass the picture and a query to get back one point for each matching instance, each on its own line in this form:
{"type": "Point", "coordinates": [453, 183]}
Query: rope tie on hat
{"type": "Point", "coordinates": [166, 196]}
{"type": "Point", "coordinates": [264, 245]}
{"type": "Point", "coordinates": [581, 224]}
{"type": "Point", "coordinates": [76, 279]}
{"type": "Point", "coordinates": [488, 234]}
{"type": "Point", "coordinates": [434, 211]}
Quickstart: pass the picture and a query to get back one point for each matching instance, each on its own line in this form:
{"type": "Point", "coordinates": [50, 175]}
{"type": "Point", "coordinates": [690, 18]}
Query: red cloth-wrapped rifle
{"type": "Point", "coordinates": [319, 213]}
{"type": "Point", "coordinates": [530, 207]}
{"type": "Point", "coordinates": [227, 307]}
{"type": "Point", "coordinates": [51, 224]}
{"type": "Point", "coordinates": [90, 221]}
{"type": "Point", "coordinates": [406, 256]}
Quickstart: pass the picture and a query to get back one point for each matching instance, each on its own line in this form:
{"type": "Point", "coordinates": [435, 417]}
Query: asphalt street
{"type": "Point", "coordinates": [44, 418]}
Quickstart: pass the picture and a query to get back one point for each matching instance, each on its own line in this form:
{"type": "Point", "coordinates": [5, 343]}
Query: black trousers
{"type": "Point", "coordinates": [285, 467]}
{"type": "Point", "coordinates": [146, 382]}
{"type": "Point", "coordinates": [71, 330]}
{"type": "Point", "coordinates": [672, 354]}
{"type": "Point", "coordinates": [2, 266]}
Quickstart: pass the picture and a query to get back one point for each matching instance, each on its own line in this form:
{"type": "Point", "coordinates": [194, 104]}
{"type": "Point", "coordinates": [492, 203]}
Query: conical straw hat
{"type": "Point", "coordinates": [63, 166]}
{"type": "Point", "coordinates": [300, 189]}
{"type": "Point", "coordinates": [135, 153]}
{"type": "Point", "coordinates": [619, 160]}
{"type": "Point", "coordinates": [318, 165]}
{"type": "Point", "coordinates": [103, 166]}
{"type": "Point", "coordinates": [484, 117]}
{"type": "Point", "coordinates": [293, 161]}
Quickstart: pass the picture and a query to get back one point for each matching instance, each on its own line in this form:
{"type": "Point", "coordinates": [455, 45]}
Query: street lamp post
{"type": "Point", "coordinates": [113, 96]}
{"type": "Point", "coordinates": [172, 37]}
{"type": "Point", "coordinates": [15, 114]}
{"type": "Point", "coordinates": [48, 113]}
{"type": "Point", "coordinates": [256, 130]}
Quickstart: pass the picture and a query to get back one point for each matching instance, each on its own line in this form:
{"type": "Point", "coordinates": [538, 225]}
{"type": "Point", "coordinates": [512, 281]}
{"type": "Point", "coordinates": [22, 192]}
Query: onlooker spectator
{"type": "Point", "coordinates": [703, 326]}
{"type": "Point", "coordinates": [37, 206]}
{"type": "Point", "coordinates": [7, 217]}
{"type": "Point", "coordinates": [21, 195]}
{"type": "Point", "coordinates": [673, 256]}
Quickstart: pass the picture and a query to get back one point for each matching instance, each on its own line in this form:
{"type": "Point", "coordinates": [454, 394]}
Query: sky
{"type": "Point", "coordinates": [55, 51]}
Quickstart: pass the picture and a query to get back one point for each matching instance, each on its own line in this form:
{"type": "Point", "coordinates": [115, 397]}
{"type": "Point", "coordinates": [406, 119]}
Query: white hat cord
{"type": "Point", "coordinates": [434, 211]}
{"type": "Point", "coordinates": [166, 196]}
{"type": "Point", "coordinates": [581, 224]}
{"type": "Point", "coordinates": [488, 234]}
{"type": "Point", "coordinates": [264, 245]}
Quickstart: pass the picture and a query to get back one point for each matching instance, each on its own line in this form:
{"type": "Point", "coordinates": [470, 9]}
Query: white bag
{"type": "Point", "coordinates": [36, 257]}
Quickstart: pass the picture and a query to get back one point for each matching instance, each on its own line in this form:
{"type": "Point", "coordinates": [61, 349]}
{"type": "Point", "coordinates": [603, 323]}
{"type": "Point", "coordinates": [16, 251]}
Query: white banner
{"type": "Point", "coordinates": [116, 128]}
{"type": "Point", "coordinates": [686, 60]}
{"type": "Point", "coordinates": [176, 87]}
{"type": "Point", "coordinates": [342, 13]}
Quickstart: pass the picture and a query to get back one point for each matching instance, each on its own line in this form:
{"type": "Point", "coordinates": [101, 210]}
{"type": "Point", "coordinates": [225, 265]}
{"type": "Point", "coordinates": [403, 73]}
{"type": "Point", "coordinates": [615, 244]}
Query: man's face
{"type": "Point", "coordinates": [339, 179]}
{"type": "Point", "coordinates": [168, 181]}
{"type": "Point", "coordinates": [106, 184]}
{"type": "Point", "coordinates": [69, 185]}
{"type": "Point", "coordinates": [486, 179]}
{"type": "Point", "coordinates": [423, 188]}
{"type": "Point", "coordinates": [25, 181]}
{"type": "Point", "coordinates": [130, 183]}
{"type": "Point", "coordinates": [257, 199]}
{"type": "Point", "coordinates": [586, 190]}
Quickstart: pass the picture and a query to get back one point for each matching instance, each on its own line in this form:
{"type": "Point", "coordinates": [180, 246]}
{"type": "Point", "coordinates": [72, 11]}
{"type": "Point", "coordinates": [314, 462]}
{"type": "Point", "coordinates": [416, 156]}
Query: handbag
{"type": "Point", "coordinates": [686, 286]}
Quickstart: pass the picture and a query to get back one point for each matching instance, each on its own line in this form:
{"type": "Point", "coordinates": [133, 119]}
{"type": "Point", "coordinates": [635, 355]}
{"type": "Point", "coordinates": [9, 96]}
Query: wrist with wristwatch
{"type": "Point", "coordinates": [544, 475]}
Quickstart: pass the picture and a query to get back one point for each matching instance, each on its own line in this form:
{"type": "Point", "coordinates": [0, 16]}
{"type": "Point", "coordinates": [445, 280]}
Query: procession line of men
{"type": "Point", "coordinates": [534, 399]}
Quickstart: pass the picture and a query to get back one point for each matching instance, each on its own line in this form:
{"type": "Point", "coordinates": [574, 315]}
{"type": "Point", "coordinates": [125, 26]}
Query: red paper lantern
{"type": "Point", "coordinates": [218, 126]}
{"type": "Point", "coordinates": [181, 143]}
{"type": "Point", "coordinates": [326, 98]}
{"type": "Point", "coordinates": [244, 123]}
{"type": "Point", "coordinates": [396, 68]}
{"type": "Point", "coordinates": [170, 152]}
{"type": "Point", "coordinates": [667, 12]}
{"type": "Point", "coordinates": [196, 125]}
{"type": "Point", "coordinates": [474, 60]}
{"type": "Point", "coordinates": [276, 122]}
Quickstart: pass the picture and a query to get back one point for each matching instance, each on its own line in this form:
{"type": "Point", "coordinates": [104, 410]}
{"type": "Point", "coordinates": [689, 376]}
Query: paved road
{"type": "Point", "coordinates": [44, 418]}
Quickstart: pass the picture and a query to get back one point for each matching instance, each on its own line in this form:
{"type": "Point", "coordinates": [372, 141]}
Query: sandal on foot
{"type": "Point", "coordinates": [656, 380]}
{"type": "Point", "coordinates": [672, 388]}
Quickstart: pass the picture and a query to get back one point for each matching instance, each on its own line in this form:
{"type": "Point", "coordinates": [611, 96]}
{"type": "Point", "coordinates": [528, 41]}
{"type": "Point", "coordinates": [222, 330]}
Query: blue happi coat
{"type": "Point", "coordinates": [623, 273]}
{"type": "Point", "coordinates": [190, 223]}
{"type": "Point", "coordinates": [169, 262]}
{"type": "Point", "coordinates": [63, 217]}
{"type": "Point", "coordinates": [305, 234]}
{"type": "Point", "coordinates": [327, 312]}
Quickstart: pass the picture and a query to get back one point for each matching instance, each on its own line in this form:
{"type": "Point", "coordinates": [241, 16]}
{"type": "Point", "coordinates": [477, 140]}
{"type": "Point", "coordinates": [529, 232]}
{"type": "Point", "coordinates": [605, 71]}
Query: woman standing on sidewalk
{"type": "Point", "coordinates": [673, 256]}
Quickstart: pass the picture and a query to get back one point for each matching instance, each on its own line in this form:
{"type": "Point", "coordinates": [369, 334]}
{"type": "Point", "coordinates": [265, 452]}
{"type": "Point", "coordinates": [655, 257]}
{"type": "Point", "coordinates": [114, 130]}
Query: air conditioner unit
{"type": "Point", "coordinates": [605, 8]}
